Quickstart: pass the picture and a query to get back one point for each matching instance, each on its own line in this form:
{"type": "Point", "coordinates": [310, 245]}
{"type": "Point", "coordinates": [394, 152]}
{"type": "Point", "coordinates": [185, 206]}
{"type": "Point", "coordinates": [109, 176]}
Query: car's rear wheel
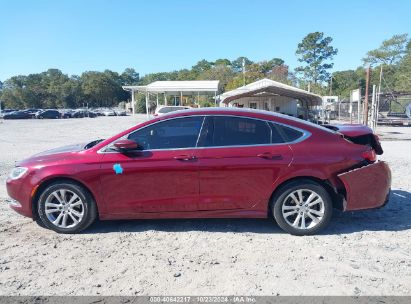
{"type": "Point", "coordinates": [66, 207]}
{"type": "Point", "coordinates": [302, 207]}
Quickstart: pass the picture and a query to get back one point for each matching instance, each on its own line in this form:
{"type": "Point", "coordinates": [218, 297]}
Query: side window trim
{"type": "Point", "coordinates": [206, 117]}
{"type": "Point", "coordinates": [106, 149]}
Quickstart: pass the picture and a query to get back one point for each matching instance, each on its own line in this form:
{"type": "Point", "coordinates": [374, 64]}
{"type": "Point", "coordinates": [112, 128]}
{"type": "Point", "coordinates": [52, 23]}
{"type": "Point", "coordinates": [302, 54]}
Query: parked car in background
{"type": "Point", "coordinates": [205, 163]}
{"type": "Point", "coordinates": [161, 110]}
{"type": "Point", "coordinates": [120, 112]}
{"type": "Point", "coordinates": [32, 112]}
{"type": "Point", "coordinates": [83, 113]}
{"type": "Point", "coordinates": [109, 112]}
{"type": "Point", "coordinates": [49, 114]}
{"type": "Point", "coordinates": [17, 115]}
{"type": "Point", "coordinates": [67, 113]}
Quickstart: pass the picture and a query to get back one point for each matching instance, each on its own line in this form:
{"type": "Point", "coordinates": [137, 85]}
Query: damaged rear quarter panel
{"type": "Point", "coordinates": [366, 187]}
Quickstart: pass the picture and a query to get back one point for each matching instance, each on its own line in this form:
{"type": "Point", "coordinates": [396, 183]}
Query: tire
{"type": "Point", "coordinates": [64, 203]}
{"type": "Point", "coordinates": [316, 204]}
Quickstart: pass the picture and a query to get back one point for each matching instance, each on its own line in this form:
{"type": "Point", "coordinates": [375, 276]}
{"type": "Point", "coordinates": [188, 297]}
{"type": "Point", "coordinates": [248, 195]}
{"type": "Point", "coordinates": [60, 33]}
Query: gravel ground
{"type": "Point", "coordinates": [363, 253]}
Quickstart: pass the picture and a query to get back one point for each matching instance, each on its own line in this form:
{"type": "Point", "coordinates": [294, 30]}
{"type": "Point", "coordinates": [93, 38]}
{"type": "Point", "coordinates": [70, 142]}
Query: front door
{"type": "Point", "coordinates": [161, 177]}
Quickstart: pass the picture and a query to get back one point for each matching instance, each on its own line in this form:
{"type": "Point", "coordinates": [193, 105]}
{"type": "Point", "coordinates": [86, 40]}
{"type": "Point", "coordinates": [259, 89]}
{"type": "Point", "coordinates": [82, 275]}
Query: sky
{"type": "Point", "coordinates": [164, 35]}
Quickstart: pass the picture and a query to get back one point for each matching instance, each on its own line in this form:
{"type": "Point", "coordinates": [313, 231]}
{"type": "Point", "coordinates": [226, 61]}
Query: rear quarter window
{"type": "Point", "coordinates": [288, 134]}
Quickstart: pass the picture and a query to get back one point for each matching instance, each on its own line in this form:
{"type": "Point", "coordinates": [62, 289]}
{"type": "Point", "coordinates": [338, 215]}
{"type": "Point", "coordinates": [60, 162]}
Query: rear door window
{"type": "Point", "coordinates": [235, 131]}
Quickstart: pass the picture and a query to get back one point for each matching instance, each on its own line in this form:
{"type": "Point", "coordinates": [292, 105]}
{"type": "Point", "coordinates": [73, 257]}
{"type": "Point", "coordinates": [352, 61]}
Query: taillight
{"type": "Point", "coordinates": [369, 155]}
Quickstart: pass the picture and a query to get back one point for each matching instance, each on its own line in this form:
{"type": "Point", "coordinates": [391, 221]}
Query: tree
{"type": "Point", "coordinates": [279, 73]}
{"type": "Point", "coordinates": [268, 66]}
{"type": "Point", "coordinates": [222, 62]}
{"type": "Point", "coordinates": [102, 89]}
{"type": "Point", "coordinates": [237, 65]}
{"type": "Point", "coordinates": [390, 51]}
{"type": "Point", "coordinates": [345, 81]}
{"type": "Point", "coordinates": [202, 65]}
{"type": "Point", "coordinates": [315, 51]}
{"type": "Point", "coordinates": [403, 74]}
{"type": "Point", "coordinates": [130, 77]}
{"type": "Point", "coordinates": [220, 72]}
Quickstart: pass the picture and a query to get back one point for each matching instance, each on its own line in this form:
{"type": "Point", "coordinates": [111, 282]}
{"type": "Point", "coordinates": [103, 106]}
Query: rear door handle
{"type": "Point", "coordinates": [269, 155]}
{"type": "Point", "coordinates": [185, 157]}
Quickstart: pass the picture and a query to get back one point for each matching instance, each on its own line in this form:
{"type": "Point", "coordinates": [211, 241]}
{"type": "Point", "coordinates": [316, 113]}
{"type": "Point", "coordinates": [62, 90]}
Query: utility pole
{"type": "Point", "coordinates": [367, 84]}
{"type": "Point", "coordinates": [243, 71]}
{"type": "Point", "coordinates": [331, 85]}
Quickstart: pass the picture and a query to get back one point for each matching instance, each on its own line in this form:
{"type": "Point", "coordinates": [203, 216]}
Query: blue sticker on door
{"type": "Point", "coordinates": [118, 169]}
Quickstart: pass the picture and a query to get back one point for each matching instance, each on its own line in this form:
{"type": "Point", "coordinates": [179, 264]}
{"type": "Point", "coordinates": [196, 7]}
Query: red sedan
{"type": "Point", "coordinates": [207, 163]}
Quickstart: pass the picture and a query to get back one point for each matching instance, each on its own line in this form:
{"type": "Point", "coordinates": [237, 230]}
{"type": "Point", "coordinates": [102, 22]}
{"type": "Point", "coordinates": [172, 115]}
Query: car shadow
{"type": "Point", "coordinates": [395, 216]}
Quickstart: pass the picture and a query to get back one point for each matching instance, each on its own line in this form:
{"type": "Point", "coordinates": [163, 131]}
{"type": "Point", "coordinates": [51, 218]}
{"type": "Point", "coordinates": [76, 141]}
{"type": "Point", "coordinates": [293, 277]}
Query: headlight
{"type": "Point", "coordinates": [17, 172]}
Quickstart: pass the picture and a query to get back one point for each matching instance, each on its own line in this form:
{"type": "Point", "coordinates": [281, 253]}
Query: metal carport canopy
{"type": "Point", "coordinates": [269, 86]}
{"type": "Point", "coordinates": [173, 88]}
{"type": "Point", "coordinates": [177, 86]}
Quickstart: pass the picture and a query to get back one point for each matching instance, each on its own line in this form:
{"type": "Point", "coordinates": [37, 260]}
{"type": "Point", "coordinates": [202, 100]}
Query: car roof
{"type": "Point", "coordinates": [245, 112]}
{"type": "Point", "coordinates": [227, 111]}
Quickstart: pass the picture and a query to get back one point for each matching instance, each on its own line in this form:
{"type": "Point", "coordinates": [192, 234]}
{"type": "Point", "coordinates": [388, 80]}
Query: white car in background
{"type": "Point", "coordinates": [109, 112]}
{"type": "Point", "coordinates": [161, 110]}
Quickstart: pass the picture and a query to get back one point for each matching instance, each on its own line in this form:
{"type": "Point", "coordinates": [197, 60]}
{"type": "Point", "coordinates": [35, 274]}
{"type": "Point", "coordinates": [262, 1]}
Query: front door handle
{"type": "Point", "coordinates": [269, 155]}
{"type": "Point", "coordinates": [185, 157]}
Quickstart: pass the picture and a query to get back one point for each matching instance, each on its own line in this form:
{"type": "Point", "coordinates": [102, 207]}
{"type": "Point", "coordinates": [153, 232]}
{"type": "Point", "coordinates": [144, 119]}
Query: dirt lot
{"type": "Point", "coordinates": [363, 253]}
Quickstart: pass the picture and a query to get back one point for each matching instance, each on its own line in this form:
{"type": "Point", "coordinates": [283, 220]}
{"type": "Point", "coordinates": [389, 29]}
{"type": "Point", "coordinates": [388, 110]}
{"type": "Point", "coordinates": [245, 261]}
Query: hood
{"type": "Point", "coordinates": [54, 155]}
{"type": "Point", "coordinates": [64, 149]}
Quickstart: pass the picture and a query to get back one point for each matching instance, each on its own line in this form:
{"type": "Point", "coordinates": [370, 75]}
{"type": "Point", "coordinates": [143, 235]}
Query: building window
{"type": "Point", "coordinates": [253, 105]}
{"type": "Point", "coordinates": [266, 106]}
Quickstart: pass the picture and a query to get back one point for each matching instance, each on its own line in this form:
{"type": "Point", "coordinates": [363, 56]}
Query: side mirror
{"type": "Point", "coordinates": [125, 145]}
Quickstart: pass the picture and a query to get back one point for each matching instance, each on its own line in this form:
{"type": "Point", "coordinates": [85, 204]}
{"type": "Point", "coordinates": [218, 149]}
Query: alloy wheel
{"type": "Point", "coordinates": [303, 209]}
{"type": "Point", "coordinates": [64, 208]}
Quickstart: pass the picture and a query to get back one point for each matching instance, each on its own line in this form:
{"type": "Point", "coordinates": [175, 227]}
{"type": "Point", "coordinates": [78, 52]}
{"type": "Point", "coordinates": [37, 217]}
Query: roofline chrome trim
{"type": "Point", "coordinates": [306, 134]}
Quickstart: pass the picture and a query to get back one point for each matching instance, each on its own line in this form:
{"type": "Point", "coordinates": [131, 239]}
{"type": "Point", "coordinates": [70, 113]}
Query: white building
{"type": "Point", "coordinates": [273, 96]}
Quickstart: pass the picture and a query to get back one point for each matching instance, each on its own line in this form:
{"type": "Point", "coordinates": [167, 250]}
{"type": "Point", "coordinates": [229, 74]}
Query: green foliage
{"type": "Point", "coordinates": [130, 77]}
{"type": "Point", "coordinates": [140, 103]}
{"type": "Point", "coordinates": [315, 51]}
{"type": "Point", "coordinates": [237, 64]}
{"type": "Point", "coordinates": [222, 62]}
{"type": "Point", "coordinates": [390, 51]}
{"type": "Point", "coordinates": [53, 88]}
{"type": "Point", "coordinates": [220, 72]}
{"type": "Point", "coordinates": [202, 65]}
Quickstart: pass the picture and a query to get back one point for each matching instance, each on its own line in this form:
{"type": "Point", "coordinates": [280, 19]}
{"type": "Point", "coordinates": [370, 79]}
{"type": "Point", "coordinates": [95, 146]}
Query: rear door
{"type": "Point", "coordinates": [239, 160]}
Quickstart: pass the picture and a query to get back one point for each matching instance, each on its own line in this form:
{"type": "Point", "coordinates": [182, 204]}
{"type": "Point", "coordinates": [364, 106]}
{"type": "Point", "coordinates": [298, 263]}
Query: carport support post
{"type": "Point", "coordinates": [215, 98]}
{"type": "Point", "coordinates": [148, 114]}
{"type": "Point", "coordinates": [367, 84]}
{"type": "Point", "coordinates": [373, 107]}
{"type": "Point", "coordinates": [157, 100]}
{"type": "Point", "coordinates": [132, 102]}
{"type": "Point", "coordinates": [359, 104]}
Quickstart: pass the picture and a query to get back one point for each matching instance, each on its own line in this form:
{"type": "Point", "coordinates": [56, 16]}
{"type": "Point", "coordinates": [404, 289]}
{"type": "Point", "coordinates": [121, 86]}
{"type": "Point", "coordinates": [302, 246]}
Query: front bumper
{"type": "Point", "coordinates": [367, 187]}
{"type": "Point", "coordinates": [20, 192]}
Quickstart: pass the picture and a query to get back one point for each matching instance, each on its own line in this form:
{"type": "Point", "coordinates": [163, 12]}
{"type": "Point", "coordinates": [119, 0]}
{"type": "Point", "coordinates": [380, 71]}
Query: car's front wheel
{"type": "Point", "coordinates": [66, 207]}
{"type": "Point", "coordinates": [302, 207]}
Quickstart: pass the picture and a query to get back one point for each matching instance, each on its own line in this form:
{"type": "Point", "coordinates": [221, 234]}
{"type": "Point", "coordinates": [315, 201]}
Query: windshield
{"type": "Point", "coordinates": [170, 109]}
{"type": "Point", "coordinates": [92, 144]}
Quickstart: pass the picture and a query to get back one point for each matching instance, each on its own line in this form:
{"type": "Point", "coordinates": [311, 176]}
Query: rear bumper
{"type": "Point", "coordinates": [367, 187]}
